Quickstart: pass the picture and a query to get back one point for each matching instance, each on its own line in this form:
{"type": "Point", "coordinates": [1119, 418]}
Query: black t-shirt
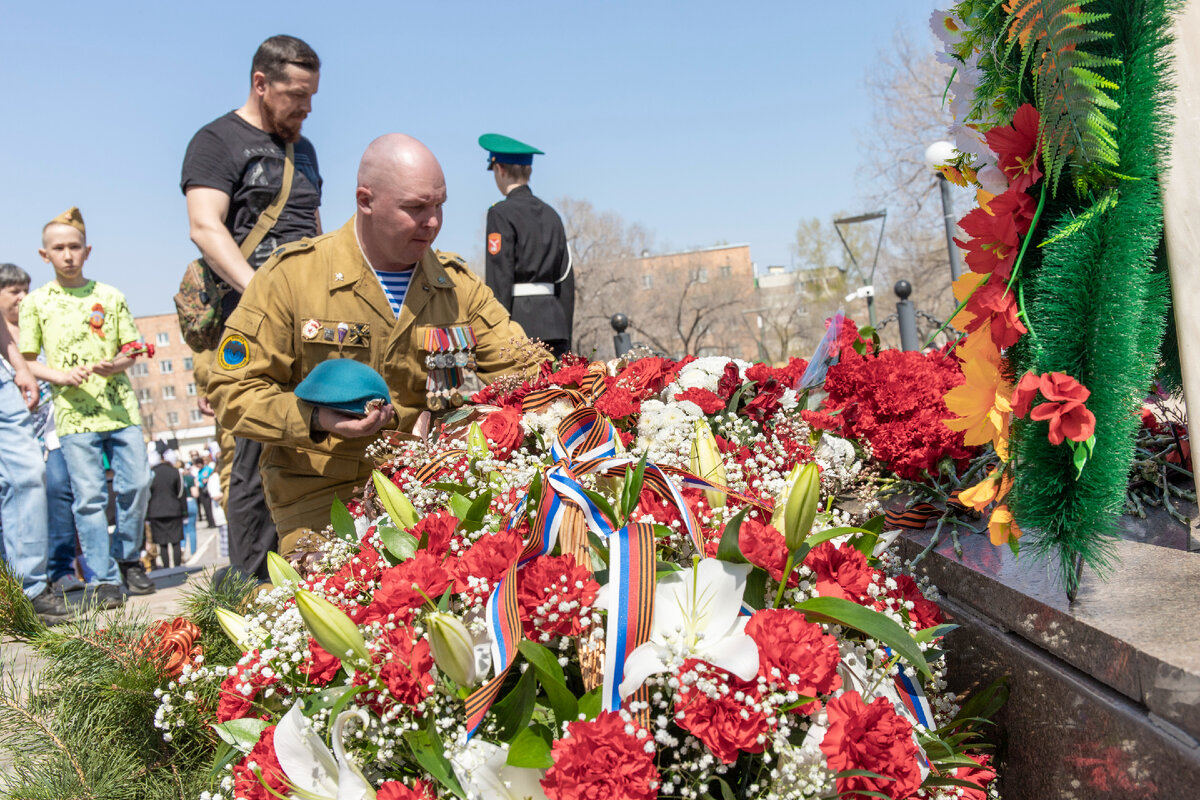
{"type": "Point", "coordinates": [246, 163]}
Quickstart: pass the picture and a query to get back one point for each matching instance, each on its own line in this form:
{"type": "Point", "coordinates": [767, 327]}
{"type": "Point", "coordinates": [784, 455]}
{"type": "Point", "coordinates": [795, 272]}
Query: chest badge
{"type": "Point", "coordinates": [310, 330]}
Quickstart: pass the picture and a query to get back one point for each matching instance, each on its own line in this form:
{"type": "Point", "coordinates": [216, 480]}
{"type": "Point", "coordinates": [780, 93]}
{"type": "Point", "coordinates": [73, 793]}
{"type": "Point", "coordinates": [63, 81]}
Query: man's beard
{"type": "Point", "coordinates": [286, 129]}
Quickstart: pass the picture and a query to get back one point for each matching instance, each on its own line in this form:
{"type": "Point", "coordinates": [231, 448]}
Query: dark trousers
{"type": "Point", "coordinates": [252, 534]}
{"type": "Point", "coordinates": [206, 507]}
{"type": "Point", "coordinates": [175, 548]}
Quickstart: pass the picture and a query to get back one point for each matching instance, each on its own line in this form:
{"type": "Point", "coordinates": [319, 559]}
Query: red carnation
{"type": "Point", "coordinates": [841, 571]}
{"type": "Point", "coordinates": [728, 718]}
{"type": "Point", "coordinates": [262, 760]}
{"type": "Point", "coordinates": [551, 592]}
{"type": "Point", "coordinates": [766, 403]}
{"type": "Point", "coordinates": [1016, 147]}
{"type": "Point", "coordinates": [647, 376]}
{"type": "Point", "coordinates": [795, 654]}
{"type": "Point", "coordinates": [395, 790]}
{"type": "Point", "coordinates": [321, 665]}
{"type": "Point", "coordinates": [981, 776]}
{"type": "Point", "coordinates": [438, 529]}
{"type": "Point", "coordinates": [709, 402]}
{"type": "Point", "coordinates": [397, 593]}
{"type": "Point", "coordinates": [598, 760]}
{"type": "Point", "coordinates": [503, 431]}
{"type": "Point", "coordinates": [873, 738]}
{"type": "Point", "coordinates": [479, 569]}
{"type": "Point", "coordinates": [924, 613]}
{"type": "Point", "coordinates": [406, 665]}
{"type": "Point", "coordinates": [241, 687]}
{"type": "Point", "coordinates": [764, 546]}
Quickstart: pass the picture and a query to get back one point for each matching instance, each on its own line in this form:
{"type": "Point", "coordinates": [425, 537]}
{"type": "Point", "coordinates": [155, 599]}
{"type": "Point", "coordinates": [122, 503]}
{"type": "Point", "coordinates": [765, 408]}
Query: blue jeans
{"type": "Point", "coordinates": [22, 492]}
{"type": "Point", "coordinates": [131, 484]}
{"type": "Point", "coordinates": [189, 525]}
{"type": "Point", "coordinates": [61, 518]}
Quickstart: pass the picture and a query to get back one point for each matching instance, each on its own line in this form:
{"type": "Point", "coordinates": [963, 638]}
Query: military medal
{"type": "Point", "coordinates": [310, 330]}
{"type": "Point", "coordinates": [342, 330]}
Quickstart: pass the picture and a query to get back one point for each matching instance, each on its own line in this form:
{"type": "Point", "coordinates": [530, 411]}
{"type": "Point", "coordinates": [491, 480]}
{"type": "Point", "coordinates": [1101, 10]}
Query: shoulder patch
{"type": "Point", "coordinates": [291, 248]}
{"type": "Point", "coordinates": [234, 351]}
{"type": "Point", "coordinates": [449, 259]}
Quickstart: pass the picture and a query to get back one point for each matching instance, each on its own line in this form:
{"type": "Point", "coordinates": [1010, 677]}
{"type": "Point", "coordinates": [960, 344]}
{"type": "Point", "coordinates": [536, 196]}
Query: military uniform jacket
{"type": "Point", "coordinates": [526, 243]}
{"type": "Point", "coordinates": [277, 335]}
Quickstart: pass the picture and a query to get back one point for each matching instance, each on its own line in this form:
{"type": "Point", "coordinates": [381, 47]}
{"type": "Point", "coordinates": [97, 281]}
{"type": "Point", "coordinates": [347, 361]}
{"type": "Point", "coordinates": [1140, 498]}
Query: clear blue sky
{"type": "Point", "coordinates": [704, 121]}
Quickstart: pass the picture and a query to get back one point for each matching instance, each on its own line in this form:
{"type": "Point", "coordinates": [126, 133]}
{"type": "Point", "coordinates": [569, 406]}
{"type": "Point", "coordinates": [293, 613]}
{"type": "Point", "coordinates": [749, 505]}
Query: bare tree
{"type": "Point", "coordinates": [690, 311]}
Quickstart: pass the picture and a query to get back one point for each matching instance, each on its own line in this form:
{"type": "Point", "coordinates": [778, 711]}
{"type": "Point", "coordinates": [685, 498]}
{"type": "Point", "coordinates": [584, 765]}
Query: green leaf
{"type": "Point", "coordinates": [344, 700]}
{"type": "Point", "coordinates": [550, 675]}
{"type": "Point", "coordinates": [426, 748]}
{"type": "Point", "coordinates": [602, 503]}
{"type": "Point", "coordinates": [736, 398]}
{"type": "Point", "coordinates": [935, 780]}
{"type": "Point", "coordinates": [874, 624]}
{"type": "Point", "coordinates": [513, 712]}
{"type": "Point", "coordinates": [632, 490]}
{"type": "Point", "coordinates": [936, 632]}
{"type": "Point", "coordinates": [343, 523]}
{"type": "Point", "coordinates": [541, 658]}
{"type": "Point", "coordinates": [590, 703]}
{"type": "Point", "coordinates": [661, 531]}
{"type": "Point", "coordinates": [726, 790]}
{"type": "Point", "coordinates": [875, 524]}
{"type": "Point", "coordinates": [327, 698]}
{"type": "Point", "coordinates": [242, 734]}
{"type": "Point", "coordinates": [984, 704]}
{"type": "Point", "coordinates": [459, 506]}
{"type": "Point", "coordinates": [1079, 459]}
{"type": "Point", "coordinates": [479, 507]}
{"type": "Point", "coordinates": [861, 773]}
{"type": "Point", "coordinates": [755, 593]}
{"type": "Point", "coordinates": [729, 548]}
{"type": "Point", "coordinates": [226, 754]}
{"type": "Point", "coordinates": [531, 748]}
{"type": "Point", "coordinates": [400, 544]}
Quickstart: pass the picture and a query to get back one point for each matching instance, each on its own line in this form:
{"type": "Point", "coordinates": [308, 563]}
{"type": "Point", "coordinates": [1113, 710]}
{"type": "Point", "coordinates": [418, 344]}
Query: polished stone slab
{"type": "Point", "coordinates": [1137, 633]}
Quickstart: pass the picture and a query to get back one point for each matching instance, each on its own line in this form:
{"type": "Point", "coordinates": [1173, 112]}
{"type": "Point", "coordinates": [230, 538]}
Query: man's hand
{"type": "Point", "coordinates": [75, 376]}
{"type": "Point", "coordinates": [350, 427]}
{"type": "Point", "coordinates": [28, 385]}
{"type": "Point", "coordinates": [205, 407]}
{"type": "Point", "coordinates": [106, 369]}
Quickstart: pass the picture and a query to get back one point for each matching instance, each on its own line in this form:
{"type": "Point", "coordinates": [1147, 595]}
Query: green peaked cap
{"type": "Point", "coordinates": [507, 150]}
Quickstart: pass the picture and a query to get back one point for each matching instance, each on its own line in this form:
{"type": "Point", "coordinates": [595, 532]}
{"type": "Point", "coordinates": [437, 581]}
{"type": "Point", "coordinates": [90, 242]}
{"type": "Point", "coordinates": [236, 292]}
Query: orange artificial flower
{"type": "Point", "coordinates": [1002, 527]}
{"type": "Point", "coordinates": [991, 489]}
{"type": "Point", "coordinates": [981, 404]}
{"type": "Point", "coordinates": [963, 287]}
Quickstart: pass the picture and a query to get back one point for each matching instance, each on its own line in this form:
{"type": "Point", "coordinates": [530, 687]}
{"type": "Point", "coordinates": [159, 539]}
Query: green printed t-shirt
{"type": "Point", "coordinates": [83, 326]}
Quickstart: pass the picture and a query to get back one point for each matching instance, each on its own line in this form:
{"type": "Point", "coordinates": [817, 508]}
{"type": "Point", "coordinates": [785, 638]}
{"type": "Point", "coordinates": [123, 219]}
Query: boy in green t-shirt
{"type": "Point", "coordinates": [83, 325]}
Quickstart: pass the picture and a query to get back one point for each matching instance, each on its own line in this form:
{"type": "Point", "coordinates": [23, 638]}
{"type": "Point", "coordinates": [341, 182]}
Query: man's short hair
{"type": "Point", "coordinates": [12, 275]}
{"type": "Point", "coordinates": [275, 54]}
{"type": "Point", "coordinates": [520, 172]}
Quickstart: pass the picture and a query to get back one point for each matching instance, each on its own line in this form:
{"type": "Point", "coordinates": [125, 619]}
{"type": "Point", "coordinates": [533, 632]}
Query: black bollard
{"type": "Point", "coordinates": [906, 315]}
{"type": "Point", "coordinates": [622, 344]}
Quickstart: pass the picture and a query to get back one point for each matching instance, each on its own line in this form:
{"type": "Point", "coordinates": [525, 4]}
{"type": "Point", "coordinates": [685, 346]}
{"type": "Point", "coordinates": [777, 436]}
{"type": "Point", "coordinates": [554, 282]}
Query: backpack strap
{"type": "Point", "coordinates": [270, 215]}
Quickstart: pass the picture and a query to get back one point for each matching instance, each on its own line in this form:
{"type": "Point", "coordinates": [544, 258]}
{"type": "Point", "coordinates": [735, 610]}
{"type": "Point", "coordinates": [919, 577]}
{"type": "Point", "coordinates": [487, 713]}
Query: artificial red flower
{"type": "Point", "coordinates": [550, 593]}
{"type": "Point", "coordinates": [1067, 420]}
{"type": "Point", "coordinates": [320, 666]}
{"type": "Point", "coordinates": [1069, 417]}
{"type": "Point", "coordinates": [437, 529]}
{"type": "Point", "coordinates": [764, 546]}
{"type": "Point", "coordinates": [995, 304]}
{"type": "Point", "coordinates": [571, 375]}
{"type": "Point", "coordinates": [261, 760]}
{"type": "Point", "coordinates": [600, 760]}
{"type": "Point", "coordinates": [996, 233]}
{"type": "Point", "coordinates": [873, 738]}
{"type": "Point", "coordinates": [503, 431]}
{"type": "Point", "coordinates": [1150, 421]}
{"type": "Point", "coordinates": [1016, 147]}
{"type": "Point", "coordinates": [241, 687]}
{"type": "Point", "coordinates": [924, 613]}
{"type": "Point", "coordinates": [841, 571]}
{"type": "Point", "coordinates": [727, 717]}
{"type": "Point", "coordinates": [795, 654]}
{"type": "Point", "coordinates": [1025, 393]}
{"type": "Point", "coordinates": [709, 402]}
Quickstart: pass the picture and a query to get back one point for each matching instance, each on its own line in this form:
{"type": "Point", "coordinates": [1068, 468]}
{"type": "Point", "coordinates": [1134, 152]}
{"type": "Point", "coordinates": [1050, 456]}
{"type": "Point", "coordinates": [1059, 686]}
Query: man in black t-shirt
{"type": "Point", "coordinates": [233, 170]}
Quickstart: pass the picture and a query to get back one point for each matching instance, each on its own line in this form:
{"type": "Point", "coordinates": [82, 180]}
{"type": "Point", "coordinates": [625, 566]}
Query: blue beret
{"type": "Point", "coordinates": [343, 384]}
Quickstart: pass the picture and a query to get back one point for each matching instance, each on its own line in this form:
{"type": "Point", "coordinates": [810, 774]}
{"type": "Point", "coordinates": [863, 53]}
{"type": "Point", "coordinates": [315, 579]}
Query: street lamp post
{"type": "Point", "coordinates": [937, 155]}
{"type": "Point", "coordinates": [868, 283]}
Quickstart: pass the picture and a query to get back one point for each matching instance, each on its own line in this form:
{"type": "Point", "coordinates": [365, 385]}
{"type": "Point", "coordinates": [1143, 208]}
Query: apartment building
{"type": "Point", "coordinates": [165, 386]}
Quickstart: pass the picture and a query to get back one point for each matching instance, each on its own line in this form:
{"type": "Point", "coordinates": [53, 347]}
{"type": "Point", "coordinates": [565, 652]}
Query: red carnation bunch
{"type": "Point", "coordinates": [484, 564]}
{"type": "Point", "coordinates": [841, 571]}
{"type": "Point", "coordinates": [260, 760]}
{"type": "Point", "coordinates": [551, 592]}
{"type": "Point", "coordinates": [618, 402]}
{"type": "Point", "coordinates": [647, 376]}
{"type": "Point", "coordinates": [405, 587]}
{"type": "Point", "coordinates": [721, 710]}
{"type": "Point", "coordinates": [241, 687]}
{"type": "Point", "coordinates": [437, 529]}
{"type": "Point", "coordinates": [764, 546]}
{"type": "Point", "coordinates": [795, 654]}
{"type": "Point", "coordinates": [599, 760]}
{"type": "Point", "coordinates": [320, 666]}
{"type": "Point", "coordinates": [873, 738]}
{"type": "Point", "coordinates": [924, 613]}
{"type": "Point", "coordinates": [406, 664]}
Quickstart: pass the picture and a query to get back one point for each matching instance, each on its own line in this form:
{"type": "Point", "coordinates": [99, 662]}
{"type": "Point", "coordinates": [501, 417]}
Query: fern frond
{"type": "Point", "coordinates": [1070, 94]}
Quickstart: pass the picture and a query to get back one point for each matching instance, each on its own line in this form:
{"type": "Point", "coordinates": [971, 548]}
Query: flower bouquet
{"type": "Point", "coordinates": [634, 581]}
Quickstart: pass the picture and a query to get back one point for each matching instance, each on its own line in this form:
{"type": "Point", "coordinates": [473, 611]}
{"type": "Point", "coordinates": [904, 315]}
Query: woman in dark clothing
{"type": "Point", "coordinates": [167, 508]}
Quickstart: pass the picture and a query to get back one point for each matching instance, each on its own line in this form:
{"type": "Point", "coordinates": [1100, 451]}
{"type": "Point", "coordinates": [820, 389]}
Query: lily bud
{"type": "Point", "coordinates": [801, 507]}
{"type": "Point", "coordinates": [330, 626]}
{"type": "Point", "coordinates": [782, 499]}
{"type": "Point", "coordinates": [281, 571]}
{"type": "Point", "coordinates": [477, 446]}
{"type": "Point", "coordinates": [452, 648]}
{"type": "Point", "coordinates": [401, 512]}
{"type": "Point", "coordinates": [706, 462]}
{"type": "Point", "coordinates": [234, 626]}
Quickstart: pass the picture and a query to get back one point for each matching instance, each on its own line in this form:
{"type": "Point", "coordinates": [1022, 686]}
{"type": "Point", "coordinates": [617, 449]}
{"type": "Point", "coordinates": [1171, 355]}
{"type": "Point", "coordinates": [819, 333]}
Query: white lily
{"type": "Point", "coordinates": [696, 616]}
{"type": "Point", "coordinates": [314, 772]}
{"type": "Point", "coordinates": [482, 770]}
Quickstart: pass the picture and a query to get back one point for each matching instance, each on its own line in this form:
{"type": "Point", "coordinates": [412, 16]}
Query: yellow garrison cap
{"type": "Point", "coordinates": [70, 217]}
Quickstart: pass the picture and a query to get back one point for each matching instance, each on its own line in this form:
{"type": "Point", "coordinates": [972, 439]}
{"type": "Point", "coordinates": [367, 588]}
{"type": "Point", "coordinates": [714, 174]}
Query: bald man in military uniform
{"type": "Point", "coordinates": [373, 291]}
{"type": "Point", "coordinates": [528, 262]}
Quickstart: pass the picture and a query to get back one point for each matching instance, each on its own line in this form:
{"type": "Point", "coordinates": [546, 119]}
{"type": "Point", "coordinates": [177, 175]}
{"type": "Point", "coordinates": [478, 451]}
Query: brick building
{"type": "Point", "coordinates": [165, 386]}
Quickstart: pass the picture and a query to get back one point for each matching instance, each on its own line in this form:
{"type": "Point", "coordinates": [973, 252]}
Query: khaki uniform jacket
{"type": "Point", "coordinates": [264, 354]}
